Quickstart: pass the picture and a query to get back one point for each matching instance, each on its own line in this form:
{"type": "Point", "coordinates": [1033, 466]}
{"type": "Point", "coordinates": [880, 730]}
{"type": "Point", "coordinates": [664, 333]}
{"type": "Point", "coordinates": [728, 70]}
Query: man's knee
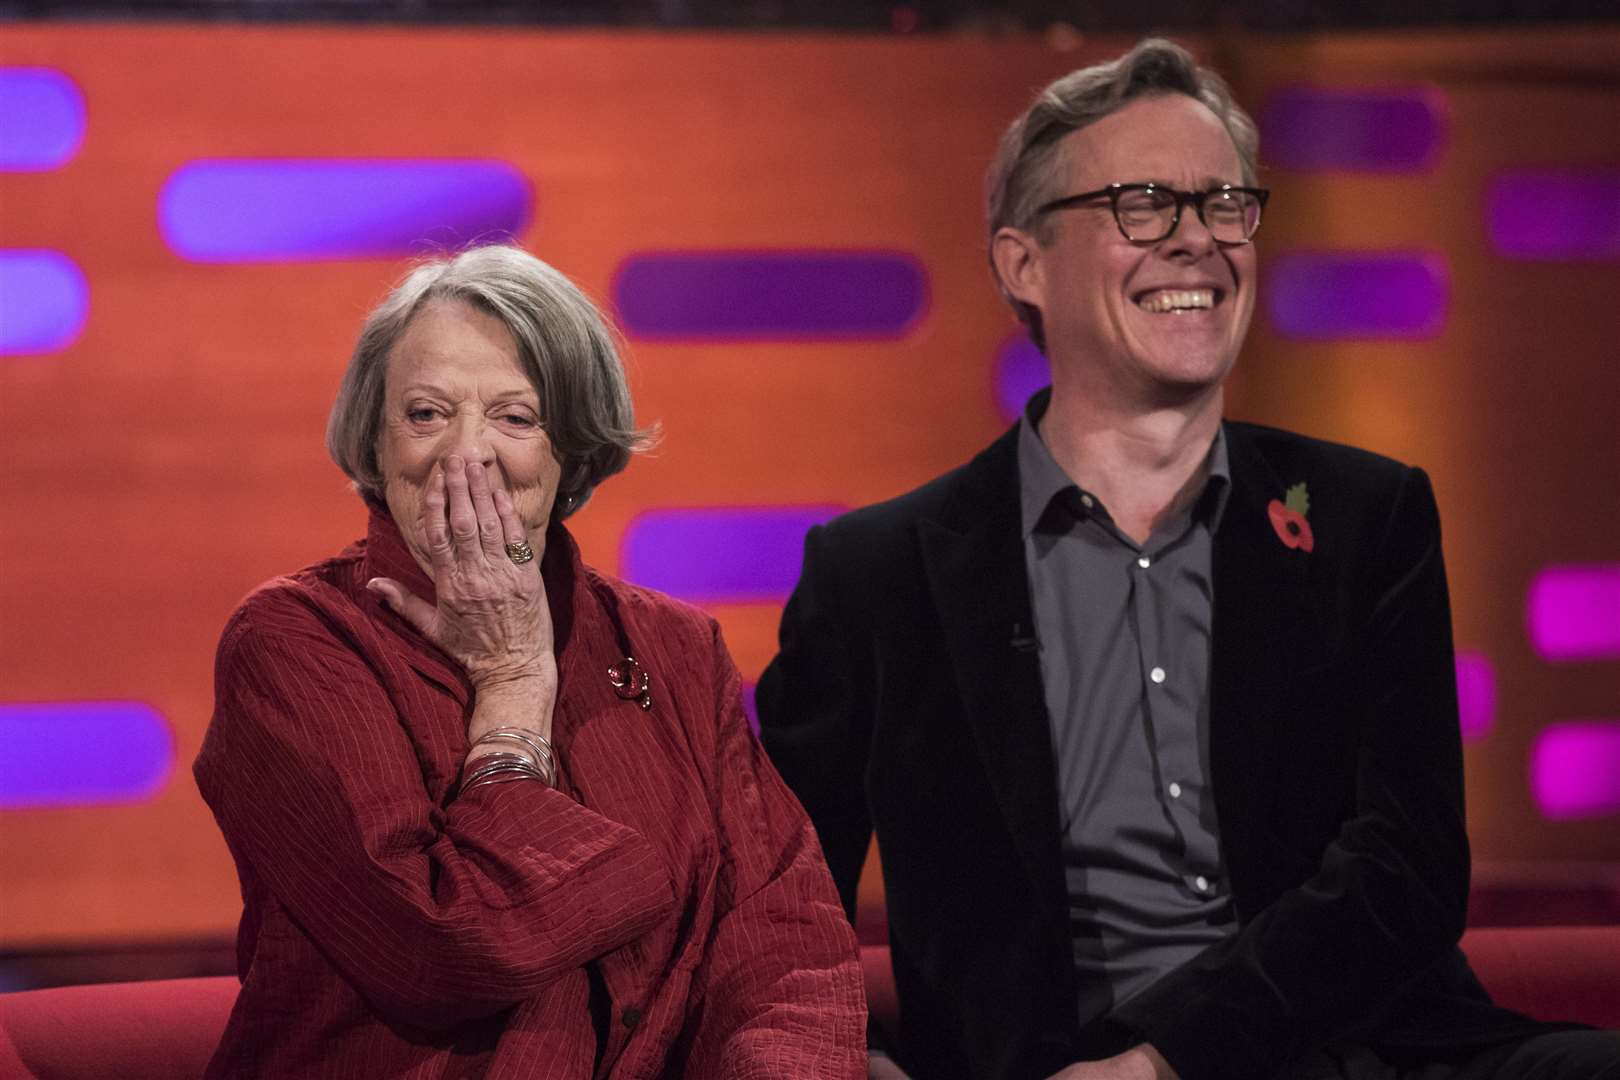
{"type": "Point", "coordinates": [1561, 1055]}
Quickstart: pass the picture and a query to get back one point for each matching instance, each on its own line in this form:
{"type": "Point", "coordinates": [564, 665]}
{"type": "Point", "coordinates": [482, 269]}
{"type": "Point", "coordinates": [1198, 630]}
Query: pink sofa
{"type": "Point", "coordinates": [166, 1029]}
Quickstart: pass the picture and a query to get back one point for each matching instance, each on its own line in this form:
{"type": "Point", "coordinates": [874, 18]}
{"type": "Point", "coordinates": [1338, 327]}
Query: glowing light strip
{"type": "Point", "coordinates": [44, 301]}
{"type": "Point", "coordinates": [1575, 769]}
{"type": "Point", "coordinates": [1573, 612]}
{"type": "Point", "coordinates": [720, 554]}
{"type": "Point", "coordinates": [82, 753]}
{"type": "Point", "coordinates": [42, 119]}
{"type": "Point", "coordinates": [770, 295]}
{"type": "Point", "coordinates": [246, 210]}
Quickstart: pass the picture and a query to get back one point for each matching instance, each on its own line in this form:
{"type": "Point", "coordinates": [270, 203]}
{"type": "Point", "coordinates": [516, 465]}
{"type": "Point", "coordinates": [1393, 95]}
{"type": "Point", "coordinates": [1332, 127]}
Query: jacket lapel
{"type": "Point", "coordinates": [1261, 634]}
{"type": "Point", "coordinates": [974, 559]}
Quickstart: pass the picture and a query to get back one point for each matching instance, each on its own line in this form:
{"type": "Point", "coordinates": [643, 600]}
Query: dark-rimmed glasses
{"type": "Point", "coordinates": [1147, 213]}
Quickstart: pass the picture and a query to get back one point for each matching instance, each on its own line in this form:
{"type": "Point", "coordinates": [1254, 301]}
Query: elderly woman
{"type": "Point", "coordinates": [497, 814]}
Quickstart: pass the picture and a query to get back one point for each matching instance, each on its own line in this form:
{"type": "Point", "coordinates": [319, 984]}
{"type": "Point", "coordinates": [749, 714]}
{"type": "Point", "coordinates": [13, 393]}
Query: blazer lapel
{"type": "Point", "coordinates": [1262, 623]}
{"type": "Point", "coordinates": [974, 559]}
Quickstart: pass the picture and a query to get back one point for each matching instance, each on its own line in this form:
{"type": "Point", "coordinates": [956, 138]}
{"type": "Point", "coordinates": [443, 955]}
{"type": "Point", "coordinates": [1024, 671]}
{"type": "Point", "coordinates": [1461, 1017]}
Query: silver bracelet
{"type": "Point", "coordinates": [499, 768]}
{"type": "Point", "coordinates": [544, 757]}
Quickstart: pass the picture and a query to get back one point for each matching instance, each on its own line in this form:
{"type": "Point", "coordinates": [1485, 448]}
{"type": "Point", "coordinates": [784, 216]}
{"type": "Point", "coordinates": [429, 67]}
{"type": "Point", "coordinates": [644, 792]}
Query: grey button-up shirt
{"type": "Point", "coordinates": [1124, 633]}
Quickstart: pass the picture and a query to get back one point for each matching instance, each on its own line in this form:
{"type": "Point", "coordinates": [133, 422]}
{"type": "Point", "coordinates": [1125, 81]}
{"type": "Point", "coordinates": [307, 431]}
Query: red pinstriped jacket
{"type": "Point", "coordinates": [665, 912]}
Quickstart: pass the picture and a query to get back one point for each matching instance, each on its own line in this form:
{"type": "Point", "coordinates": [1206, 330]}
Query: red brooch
{"type": "Point", "coordinates": [1288, 518]}
{"type": "Point", "coordinates": [631, 681]}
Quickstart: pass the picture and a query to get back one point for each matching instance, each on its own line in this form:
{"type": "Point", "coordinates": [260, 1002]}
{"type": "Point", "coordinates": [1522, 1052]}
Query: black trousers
{"type": "Point", "coordinates": [1562, 1055]}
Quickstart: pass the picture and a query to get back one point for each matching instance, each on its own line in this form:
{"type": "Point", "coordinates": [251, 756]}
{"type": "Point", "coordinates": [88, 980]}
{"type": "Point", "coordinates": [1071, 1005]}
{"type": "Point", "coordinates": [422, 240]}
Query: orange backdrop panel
{"type": "Point", "coordinates": [172, 457]}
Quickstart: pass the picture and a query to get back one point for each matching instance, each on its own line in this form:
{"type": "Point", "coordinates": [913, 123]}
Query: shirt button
{"type": "Point", "coordinates": [1144, 562]}
{"type": "Point", "coordinates": [1157, 674]}
{"type": "Point", "coordinates": [632, 1015]}
{"type": "Point", "coordinates": [1087, 501]}
{"type": "Point", "coordinates": [1201, 883]}
{"type": "Point", "coordinates": [1175, 791]}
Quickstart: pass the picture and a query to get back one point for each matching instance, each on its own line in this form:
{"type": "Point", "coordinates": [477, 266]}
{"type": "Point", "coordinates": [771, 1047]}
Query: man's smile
{"type": "Point", "coordinates": [1174, 301]}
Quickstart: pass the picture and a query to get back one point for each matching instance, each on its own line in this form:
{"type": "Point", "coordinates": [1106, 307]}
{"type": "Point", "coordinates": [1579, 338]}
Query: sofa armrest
{"type": "Point", "coordinates": [165, 1029]}
{"type": "Point", "coordinates": [1550, 972]}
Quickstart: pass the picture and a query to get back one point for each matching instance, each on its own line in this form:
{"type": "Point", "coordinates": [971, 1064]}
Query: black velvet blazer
{"type": "Point", "coordinates": [907, 698]}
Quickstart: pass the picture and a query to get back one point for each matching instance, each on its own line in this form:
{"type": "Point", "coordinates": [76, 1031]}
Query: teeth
{"type": "Point", "coordinates": [1165, 300]}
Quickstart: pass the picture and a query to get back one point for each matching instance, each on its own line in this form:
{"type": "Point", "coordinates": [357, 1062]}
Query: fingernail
{"type": "Point", "coordinates": [454, 461]}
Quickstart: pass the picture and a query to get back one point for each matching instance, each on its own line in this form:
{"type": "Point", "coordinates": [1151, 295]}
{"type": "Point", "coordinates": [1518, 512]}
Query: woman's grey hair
{"type": "Point", "coordinates": [1027, 166]}
{"type": "Point", "coordinates": [567, 349]}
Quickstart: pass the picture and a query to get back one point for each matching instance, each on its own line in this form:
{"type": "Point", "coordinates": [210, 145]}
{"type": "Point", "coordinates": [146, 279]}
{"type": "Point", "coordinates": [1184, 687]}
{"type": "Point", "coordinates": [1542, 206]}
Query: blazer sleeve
{"type": "Point", "coordinates": [815, 704]}
{"type": "Point", "coordinates": [1388, 898]}
{"type": "Point", "coordinates": [815, 718]}
{"type": "Point", "coordinates": [780, 984]}
{"type": "Point", "coordinates": [435, 914]}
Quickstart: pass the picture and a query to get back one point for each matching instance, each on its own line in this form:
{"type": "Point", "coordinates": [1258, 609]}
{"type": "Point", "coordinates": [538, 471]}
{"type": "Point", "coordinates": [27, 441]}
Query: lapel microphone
{"type": "Point", "coordinates": [1022, 641]}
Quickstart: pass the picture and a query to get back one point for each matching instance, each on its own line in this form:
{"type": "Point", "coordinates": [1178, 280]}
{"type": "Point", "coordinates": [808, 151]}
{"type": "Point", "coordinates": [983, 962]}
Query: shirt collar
{"type": "Point", "coordinates": [1041, 479]}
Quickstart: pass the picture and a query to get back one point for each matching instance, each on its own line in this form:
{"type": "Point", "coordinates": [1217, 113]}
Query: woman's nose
{"type": "Point", "coordinates": [469, 437]}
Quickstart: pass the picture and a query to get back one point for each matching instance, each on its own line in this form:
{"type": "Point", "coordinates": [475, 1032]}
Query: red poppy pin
{"type": "Point", "coordinates": [1288, 518]}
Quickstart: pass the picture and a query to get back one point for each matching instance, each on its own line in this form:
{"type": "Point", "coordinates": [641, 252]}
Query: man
{"type": "Point", "coordinates": [1153, 714]}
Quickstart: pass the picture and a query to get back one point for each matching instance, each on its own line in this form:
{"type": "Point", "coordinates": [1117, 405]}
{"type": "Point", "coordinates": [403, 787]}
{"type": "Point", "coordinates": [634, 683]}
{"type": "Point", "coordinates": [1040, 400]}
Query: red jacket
{"type": "Point", "coordinates": [665, 912]}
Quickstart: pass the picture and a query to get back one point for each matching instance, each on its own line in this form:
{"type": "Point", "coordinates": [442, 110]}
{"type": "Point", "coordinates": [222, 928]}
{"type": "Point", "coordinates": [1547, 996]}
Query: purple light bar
{"type": "Point", "coordinates": [1564, 214]}
{"type": "Point", "coordinates": [1021, 369]}
{"type": "Point", "coordinates": [1573, 612]}
{"type": "Point", "coordinates": [1334, 296]}
{"type": "Point", "coordinates": [44, 301]}
{"type": "Point", "coordinates": [243, 211]}
{"type": "Point", "coordinates": [1324, 129]}
{"type": "Point", "coordinates": [770, 295]}
{"type": "Point", "coordinates": [41, 119]}
{"type": "Point", "coordinates": [736, 555]}
{"type": "Point", "coordinates": [82, 753]}
{"type": "Point", "coordinates": [1575, 769]}
{"type": "Point", "coordinates": [1476, 695]}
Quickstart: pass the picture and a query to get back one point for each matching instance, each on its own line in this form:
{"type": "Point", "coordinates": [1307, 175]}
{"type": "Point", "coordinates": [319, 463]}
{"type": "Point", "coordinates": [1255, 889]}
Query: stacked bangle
{"type": "Point", "coordinates": [534, 760]}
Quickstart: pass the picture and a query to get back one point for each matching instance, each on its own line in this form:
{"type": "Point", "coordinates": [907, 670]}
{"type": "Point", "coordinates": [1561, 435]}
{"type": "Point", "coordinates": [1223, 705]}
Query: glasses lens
{"type": "Point", "coordinates": [1145, 213]}
{"type": "Point", "coordinates": [1231, 216]}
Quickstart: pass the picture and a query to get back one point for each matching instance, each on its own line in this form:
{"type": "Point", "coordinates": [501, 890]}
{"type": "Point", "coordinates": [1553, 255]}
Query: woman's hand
{"type": "Point", "coordinates": [492, 615]}
{"type": "Point", "coordinates": [1141, 1062]}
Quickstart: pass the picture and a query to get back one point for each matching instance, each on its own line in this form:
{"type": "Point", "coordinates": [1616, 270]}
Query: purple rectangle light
{"type": "Point", "coordinates": [1020, 370]}
{"type": "Point", "coordinates": [1337, 296]}
{"type": "Point", "coordinates": [44, 301]}
{"type": "Point", "coordinates": [42, 119]}
{"type": "Point", "coordinates": [720, 555]}
{"type": "Point", "coordinates": [1573, 612]}
{"type": "Point", "coordinates": [1330, 129]}
{"type": "Point", "coordinates": [1476, 695]}
{"type": "Point", "coordinates": [1571, 214]}
{"type": "Point", "coordinates": [770, 295]}
{"type": "Point", "coordinates": [244, 211]}
{"type": "Point", "coordinates": [1575, 769]}
{"type": "Point", "coordinates": [82, 753]}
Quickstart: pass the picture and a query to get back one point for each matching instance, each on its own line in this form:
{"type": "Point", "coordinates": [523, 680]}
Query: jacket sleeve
{"type": "Point", "coordinates": [435, 914]}
{"type": "Point", "coordinates": [1388, 899]}
{"type": "Point", "coordinates": [780, 987]}
{"type": "Point", "coordinates": [815, 718]}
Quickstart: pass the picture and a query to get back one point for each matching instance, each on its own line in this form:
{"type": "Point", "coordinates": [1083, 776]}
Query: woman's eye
{"type": "Point", "coordinates": [420, 414]}
{"type": "Point", "coordinates": [520, 420]}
